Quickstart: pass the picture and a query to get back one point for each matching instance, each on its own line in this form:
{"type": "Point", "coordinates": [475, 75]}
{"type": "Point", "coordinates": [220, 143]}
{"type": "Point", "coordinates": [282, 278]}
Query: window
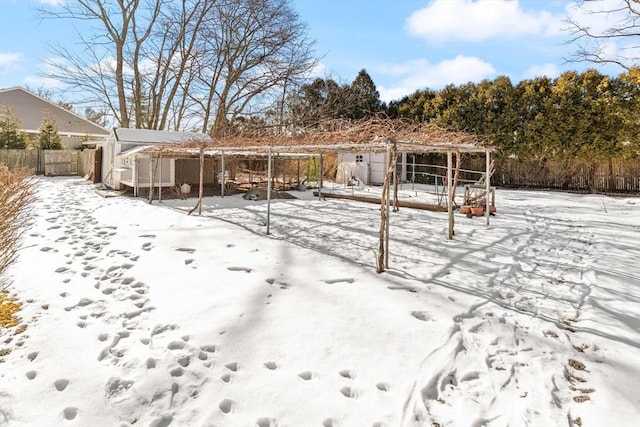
{"type": "Point", "coordinates": [359, 158]}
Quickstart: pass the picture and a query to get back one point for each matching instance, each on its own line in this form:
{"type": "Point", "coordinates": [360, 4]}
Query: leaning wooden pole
{"type": "Point", "coordinates": [382, 258]}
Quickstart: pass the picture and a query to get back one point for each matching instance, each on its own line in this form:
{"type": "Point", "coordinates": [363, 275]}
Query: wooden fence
{"type": "Point", "coordinates": [606, 176]}
{"type": "Point", "coordinates": [50, 162]}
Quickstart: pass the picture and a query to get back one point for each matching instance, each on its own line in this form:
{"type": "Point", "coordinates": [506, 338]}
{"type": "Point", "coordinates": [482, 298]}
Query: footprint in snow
{"type": "Point", "coordinates": [69, 413]}
{"type": "Point", "coordinates": [233, 366]}
{"type": "Point", "coordinates": [382, 386]}
{"type": "Point", "coordinates": [61, 384]}
{"type": "Point", "coordinates": [306, 375]}
{"type": "Point", "coordinates": [226, 406]}
{"type": "Point", "coordinates": [245, 269]}
{"type": "Point", "coordinates": [421, 315]}
{"type": "Point", "coordinates": [187, 250]}
{"type": "Point", "coordinates": [345, 373]}
{"type": "Point", "coordinates": [345, 280]}
{"type": "Point", "coordinates": [349, 392]}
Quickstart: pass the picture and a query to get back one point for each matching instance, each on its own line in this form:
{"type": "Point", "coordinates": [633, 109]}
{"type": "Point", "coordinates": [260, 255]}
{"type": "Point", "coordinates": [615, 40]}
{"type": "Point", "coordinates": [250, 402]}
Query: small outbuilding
{"type": "Point", "coordinates": [126, 161]}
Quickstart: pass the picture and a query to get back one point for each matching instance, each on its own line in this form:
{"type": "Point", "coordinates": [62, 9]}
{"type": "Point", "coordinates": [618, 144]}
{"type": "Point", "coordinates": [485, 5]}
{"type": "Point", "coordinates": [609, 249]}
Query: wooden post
{"type": "Point", "coordinates": [388, 217]}
{"type": "Point", "coordinates": [150, 178]}
{"type": "Point", "coordinates": [269, 192]}
{"type": "Point", "coordinates": [320, 177]}
{"type": "Point", "coordinates": [222, 175]}
{"type": "Point", "coordinates": [201, 187]}
{"type": "Point", "coordinates": [381, 258]}
{"type": "Point", "coordinates": [160, 186]}
{"type": "Point", "coordinates": [135, 177]}
{"type": "Point", "coordinates": [284, 176]}
{"type": "Point", "coordinates": [488, 183]}
{"type": "Point", "coordinates": [394, 162]}
{"type": "Point", "coordinates": [413, 174]}
{"type": "Point", "coordinates": [450, 193]}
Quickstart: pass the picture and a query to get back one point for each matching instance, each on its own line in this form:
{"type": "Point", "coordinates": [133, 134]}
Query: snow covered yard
{"type": "Point", "coordinates": [138, 314]}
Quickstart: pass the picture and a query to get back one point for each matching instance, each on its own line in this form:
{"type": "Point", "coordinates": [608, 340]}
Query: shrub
{"type": "Point", "coordinates": [16, 194]}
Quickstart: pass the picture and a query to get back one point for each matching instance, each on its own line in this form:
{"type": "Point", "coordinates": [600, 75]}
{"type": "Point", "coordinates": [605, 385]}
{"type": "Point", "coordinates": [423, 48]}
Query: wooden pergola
{"type": "Point", "coordinates": [390, 136]}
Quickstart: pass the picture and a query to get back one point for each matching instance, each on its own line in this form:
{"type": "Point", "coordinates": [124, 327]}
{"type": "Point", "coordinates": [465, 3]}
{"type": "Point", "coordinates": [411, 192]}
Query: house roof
{"type": "Point", "coordinates": [31, 109]}
{"type": "Point", "coordinates": [153, 137]}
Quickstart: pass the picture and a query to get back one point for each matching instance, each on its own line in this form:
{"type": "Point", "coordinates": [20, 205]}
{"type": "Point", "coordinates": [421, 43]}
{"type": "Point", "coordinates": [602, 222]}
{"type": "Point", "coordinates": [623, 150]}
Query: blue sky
{"type": "Point", "coordinates": [404, 45]}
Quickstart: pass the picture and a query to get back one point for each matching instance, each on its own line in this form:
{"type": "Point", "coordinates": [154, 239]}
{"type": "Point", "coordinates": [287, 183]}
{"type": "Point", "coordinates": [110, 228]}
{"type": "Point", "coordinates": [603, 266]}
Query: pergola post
{"type": "Point", "coordinates": [488, 183]}
{"type": "Point", "coordinates": [160, 186]}
{"type": "Point", "coordinates": [320, 177]}
{"type": "Point", "coordinates": [135, 176]}
{"type": "Point", "coordinates": [222, 178]}
{"type": "Point", "coordinates": [150, 178]}
{"type": "Point", "coordinates": [269, 192]}
{"type": "Point", "coordinates": [450, 192]}
{"type": "Point", "coordinates": [388, 209]}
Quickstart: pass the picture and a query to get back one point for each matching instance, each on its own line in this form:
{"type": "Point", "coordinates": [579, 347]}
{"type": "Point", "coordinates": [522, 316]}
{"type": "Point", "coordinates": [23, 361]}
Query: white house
{"type": "Point", "coordinates": [125, 164]}
{"type": "Point", "coordinates": [367, 167]}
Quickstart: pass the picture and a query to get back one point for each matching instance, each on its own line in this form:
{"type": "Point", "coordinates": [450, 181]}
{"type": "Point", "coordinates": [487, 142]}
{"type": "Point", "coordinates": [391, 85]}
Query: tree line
{"type": "Point", "coordinates": [576, 115]}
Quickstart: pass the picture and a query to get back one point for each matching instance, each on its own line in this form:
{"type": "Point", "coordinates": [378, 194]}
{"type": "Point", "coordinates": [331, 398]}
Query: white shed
{"type": "Point", "coordinates": [124, 164]}
{"type": "Point", "coordinates": [367, 167]}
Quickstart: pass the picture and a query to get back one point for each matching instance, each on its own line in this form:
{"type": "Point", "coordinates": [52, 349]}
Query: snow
{"type": "Point", "coordinates": [139, 314]}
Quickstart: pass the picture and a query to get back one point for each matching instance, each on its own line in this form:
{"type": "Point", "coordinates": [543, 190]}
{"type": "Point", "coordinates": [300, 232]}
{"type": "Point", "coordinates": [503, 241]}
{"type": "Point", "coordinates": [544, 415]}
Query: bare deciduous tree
{"type": "Point", "coordinates": [250, 49]}
{"type": "Point", "coordinates": [161, 64]}
{"type": "Point", "coordinates": [606, 32]}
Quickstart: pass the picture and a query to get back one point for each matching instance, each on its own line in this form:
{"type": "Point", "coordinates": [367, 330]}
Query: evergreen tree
{"type": "Point", "coordinates": [49, 137]}
{"type": "Point", "coordinates": [10, 135]}
{"type": "Point", "coordinates": [365, 98]}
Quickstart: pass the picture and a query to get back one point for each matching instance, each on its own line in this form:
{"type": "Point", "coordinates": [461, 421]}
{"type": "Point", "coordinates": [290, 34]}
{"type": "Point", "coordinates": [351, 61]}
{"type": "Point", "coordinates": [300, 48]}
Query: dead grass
{"type": "Point", "coordinates": [9, 306]}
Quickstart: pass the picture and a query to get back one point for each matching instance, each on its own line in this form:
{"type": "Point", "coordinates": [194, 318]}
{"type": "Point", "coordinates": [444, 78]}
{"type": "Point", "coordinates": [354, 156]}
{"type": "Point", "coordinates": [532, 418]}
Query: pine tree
{"type": "Point", "coordinates": [49, 137]}
{"type": "Point", "coordinates": [10, 135]}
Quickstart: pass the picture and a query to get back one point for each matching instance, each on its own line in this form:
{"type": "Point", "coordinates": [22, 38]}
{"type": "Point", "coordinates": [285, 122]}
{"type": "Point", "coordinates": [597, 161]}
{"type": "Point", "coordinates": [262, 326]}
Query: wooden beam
{"type": "Point", "coordinates": [402, 204]}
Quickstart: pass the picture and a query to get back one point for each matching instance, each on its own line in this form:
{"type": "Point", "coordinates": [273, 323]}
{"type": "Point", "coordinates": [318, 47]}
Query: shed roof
{"type": "Point", "coordinates": [148, 137]}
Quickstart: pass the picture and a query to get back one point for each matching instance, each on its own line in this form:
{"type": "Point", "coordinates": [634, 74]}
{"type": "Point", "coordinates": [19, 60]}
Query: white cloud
{"type": "Point", "coordinates": [420, 74]}
{"type": "Point", "coordinates": [548, 70]}
{"type": "Point", "coordinates": [319, 70]}
{"type": "Point", "coordinates": [598, 16]}
{"type": "Point", "coordinates": [470, 20]}
{"type": "Point", "coordinates": [9, 59]}
{"type": "Point", "coordinates": [54, 2]}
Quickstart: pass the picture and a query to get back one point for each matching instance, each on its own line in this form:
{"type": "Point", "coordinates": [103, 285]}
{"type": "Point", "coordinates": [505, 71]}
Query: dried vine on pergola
{"type": "Point", "coordinates": [379, 134]}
